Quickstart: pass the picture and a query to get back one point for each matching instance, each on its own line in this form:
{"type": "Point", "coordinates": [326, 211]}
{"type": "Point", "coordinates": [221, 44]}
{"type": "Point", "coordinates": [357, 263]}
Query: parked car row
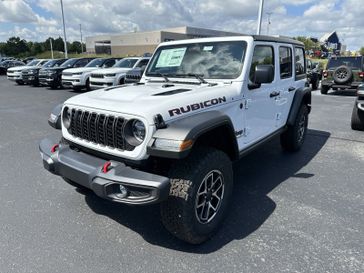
{"type": "Point", "coordinates": [78, 73]}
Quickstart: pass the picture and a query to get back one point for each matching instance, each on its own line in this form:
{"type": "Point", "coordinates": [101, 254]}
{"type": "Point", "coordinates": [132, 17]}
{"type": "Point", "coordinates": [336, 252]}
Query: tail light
{"type": "Point", "coordinates": [325, 73]}
{"type": "Point", "coordinates": [361, 75]}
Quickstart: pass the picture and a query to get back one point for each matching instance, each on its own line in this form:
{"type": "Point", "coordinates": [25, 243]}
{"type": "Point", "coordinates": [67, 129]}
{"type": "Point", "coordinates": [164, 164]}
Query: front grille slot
{"type": "Point", "coordinates": [101, 129]}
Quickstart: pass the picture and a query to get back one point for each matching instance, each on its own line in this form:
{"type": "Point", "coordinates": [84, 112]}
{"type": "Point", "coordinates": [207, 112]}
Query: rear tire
{"type": "Point", "coordinates": [294, 137]}
{"type": "Point", "coordinates": [324, 89]}
{"type": "Point", "coordinates": [357, 118]}
{"type": "Point", "coordinates": [201, 187]}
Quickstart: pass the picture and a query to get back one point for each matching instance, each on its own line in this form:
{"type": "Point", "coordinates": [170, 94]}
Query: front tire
{"type": "Point", "coordinates": [294, 137]}
{"type": "Point", "coordinates": [357, 118]}
{"type": "Point", "coordinates": [201, 188]}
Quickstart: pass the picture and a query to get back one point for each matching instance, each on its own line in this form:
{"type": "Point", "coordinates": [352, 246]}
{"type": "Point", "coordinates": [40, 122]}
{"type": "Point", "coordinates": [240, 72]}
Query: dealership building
{"type": "Point", "coordinates": [139, 43]}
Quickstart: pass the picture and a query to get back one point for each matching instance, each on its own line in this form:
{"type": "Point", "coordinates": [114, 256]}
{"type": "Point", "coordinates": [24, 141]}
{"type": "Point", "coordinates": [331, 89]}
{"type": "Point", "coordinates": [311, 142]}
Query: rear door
{"type": "Point", "coordinates": [287, 84]}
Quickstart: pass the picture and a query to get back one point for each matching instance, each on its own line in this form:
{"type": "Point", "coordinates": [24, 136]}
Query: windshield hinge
{"type": "Point", "coordinates": [247, 103]}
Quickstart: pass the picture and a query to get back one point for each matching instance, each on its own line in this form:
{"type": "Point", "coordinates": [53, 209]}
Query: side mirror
{"type": "Point", "coordinates": [263, 74]}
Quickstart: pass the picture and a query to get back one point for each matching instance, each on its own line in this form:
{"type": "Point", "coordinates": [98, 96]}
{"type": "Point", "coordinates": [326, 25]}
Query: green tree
{"type": "Point", "coordinates": [309, 44]}
{"type": "Point", "coordinates": [361, 51]}
{"type": "Point", "coordinates": [16, 47]}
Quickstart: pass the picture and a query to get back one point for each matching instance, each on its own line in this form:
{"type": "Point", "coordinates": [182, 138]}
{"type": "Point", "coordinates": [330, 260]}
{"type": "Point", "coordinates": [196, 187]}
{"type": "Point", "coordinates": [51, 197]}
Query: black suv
{"type": "Point", "coordinates": [52, 77]}
{"type": "Point", "coordinates": [357, 117]}
{"type": "Point", "coordinates": [31, 76]}
{"type": "Point", "coordinates": [343, 73]}
{"type": "Point", "coordinates": [313, 74]}
{"type": "Point", "coordinates": [4, 65]}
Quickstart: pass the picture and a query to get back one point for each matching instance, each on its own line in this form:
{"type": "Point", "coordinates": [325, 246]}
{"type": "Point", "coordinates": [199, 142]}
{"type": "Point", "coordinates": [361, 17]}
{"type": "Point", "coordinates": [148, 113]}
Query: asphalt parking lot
{"type": "Point", "coordinates": [299, 212]}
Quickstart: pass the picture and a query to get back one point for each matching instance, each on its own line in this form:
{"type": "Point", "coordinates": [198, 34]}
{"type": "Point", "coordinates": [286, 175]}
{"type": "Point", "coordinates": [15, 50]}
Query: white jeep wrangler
{"type": "Point", "coordinates": [171, 138]}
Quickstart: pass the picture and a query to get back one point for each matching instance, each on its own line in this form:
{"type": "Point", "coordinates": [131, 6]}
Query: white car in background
{"type": "Point", "coordinates": [116, 75]}
{"type": "Point", "coordinates": [79, 78]}
{"type": "Point", "coordinates": [15, 73]}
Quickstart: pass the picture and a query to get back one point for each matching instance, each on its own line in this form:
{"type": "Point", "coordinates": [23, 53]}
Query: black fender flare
{"type": "Point", "coordinates": [191, 128]}
{"type": "Point", "coordinates": [302, 95]}
{"type": "Point", "coordinates": [55, 117]}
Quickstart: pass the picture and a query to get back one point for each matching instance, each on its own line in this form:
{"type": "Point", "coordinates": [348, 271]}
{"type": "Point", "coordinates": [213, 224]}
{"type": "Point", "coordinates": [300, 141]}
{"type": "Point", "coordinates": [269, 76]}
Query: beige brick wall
{"type": "Point", "coordinates": [132, 50]}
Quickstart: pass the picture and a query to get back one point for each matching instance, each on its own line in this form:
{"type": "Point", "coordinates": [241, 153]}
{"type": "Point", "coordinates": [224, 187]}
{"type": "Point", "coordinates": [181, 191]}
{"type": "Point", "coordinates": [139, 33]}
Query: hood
{"type": "Point", "coordinates": [155, 98]}
{"type": "Point", "coordinates": [20, 68]}
{"type": "Point", "coordinates": [112, 70]}
{"type": "Point", "coordinates": [80, 69]}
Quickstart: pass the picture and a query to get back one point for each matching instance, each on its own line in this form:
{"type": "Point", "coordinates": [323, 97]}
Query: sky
{"type": "Point", "coordinates": [37, 20]}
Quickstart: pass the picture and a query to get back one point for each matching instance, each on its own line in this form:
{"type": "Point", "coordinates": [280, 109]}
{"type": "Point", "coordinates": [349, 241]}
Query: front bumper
{"type": "Point", "coordinates": [87, 170]}
{"type": "Point", "coordinates": [71, 81]}
{"type": "Point", "coordinates": [14, 77]}
{"type": "Point", "coordinates": [47, 80]}
{"type": "Point", "coordinates": [101, 83]}
{"type": "Point", "coordinates": [29, 78]}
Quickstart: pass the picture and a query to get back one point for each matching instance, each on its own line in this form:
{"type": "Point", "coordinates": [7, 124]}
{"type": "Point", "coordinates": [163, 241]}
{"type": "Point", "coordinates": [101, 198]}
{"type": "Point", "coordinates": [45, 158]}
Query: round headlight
{"type": "Point", "coordinates": [66, 117]}
{"type": "Point", "coordinates": [138, 130]}
{"type": "Point", "coordinates": [134, 132]}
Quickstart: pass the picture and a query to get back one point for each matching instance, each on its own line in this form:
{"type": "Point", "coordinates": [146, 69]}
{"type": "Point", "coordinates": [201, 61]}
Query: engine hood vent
{"type": "Point", "coordinates": [172, 92]}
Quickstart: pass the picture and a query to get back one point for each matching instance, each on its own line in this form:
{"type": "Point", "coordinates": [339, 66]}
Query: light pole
{"type": "Point", "coordinates": [81, 38]}
{"type": "Point", "coordinates": [269, 22]}
{"type": "Point", "coordinates": [50, 40]}
{"type": "Point", "coordinates": [64, 33]}
{"type": "Point", "coordinates": [260, 15]}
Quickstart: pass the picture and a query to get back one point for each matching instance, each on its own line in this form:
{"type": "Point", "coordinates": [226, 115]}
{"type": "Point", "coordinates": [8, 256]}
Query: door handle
{"type": "Point", "coordinates": [274, 94]}
{"type": "Point", "coordinates": [291, 89]}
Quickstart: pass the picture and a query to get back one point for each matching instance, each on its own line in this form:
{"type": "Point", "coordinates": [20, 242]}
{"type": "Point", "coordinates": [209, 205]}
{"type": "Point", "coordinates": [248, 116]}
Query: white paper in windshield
{"type": "Point", "coordinates": [171, 57]}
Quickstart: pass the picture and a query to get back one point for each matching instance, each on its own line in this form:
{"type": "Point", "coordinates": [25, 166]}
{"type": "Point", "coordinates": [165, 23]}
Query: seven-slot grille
{"type": "Point", "coordinates": [99, 76]}
{"type": "Point", "coordinates": [99, 128]}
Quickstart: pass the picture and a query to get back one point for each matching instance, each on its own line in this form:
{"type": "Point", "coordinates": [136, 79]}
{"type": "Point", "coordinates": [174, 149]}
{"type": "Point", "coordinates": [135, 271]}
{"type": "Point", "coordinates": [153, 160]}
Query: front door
{"type": "Point", "coordinates": [260, 104]}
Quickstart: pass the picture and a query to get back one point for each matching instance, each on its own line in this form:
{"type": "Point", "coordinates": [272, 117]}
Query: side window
{"type": "Point", "coordinates": [142, 63]}
{"type": "Point", "coordinates": [300, 62]}
{"type": "Point", "coordinates": [262, 55]}
{"type": "Point", "coordinates": [285, 62]}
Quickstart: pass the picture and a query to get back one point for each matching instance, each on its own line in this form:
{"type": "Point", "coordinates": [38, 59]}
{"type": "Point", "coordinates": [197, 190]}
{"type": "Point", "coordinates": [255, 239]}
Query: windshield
{"type": "Point", "coordinates": [69, 63]}
{"type": "Point", "coordinates": [33, 63]}
{"type": "Point", "coordinates": [353, 62]}
{"type": "Point", "coordinates": [96, 63]}
{"type": "Point", "coordinates": [126, 63]}
{"type": "Point", "coordinates": [212, 60]}
{"type": "Point", "coordinates": [50, 63]}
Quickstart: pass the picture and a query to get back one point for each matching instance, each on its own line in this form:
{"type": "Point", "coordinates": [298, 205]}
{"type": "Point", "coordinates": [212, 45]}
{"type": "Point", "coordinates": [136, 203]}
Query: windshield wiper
{"type": "Point", "coordinates": [164, 76]}
{"type": "Point", "coordinates": [197, 76]}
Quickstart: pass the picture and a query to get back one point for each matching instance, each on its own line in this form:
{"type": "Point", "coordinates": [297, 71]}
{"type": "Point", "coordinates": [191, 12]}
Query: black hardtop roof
{"type": "Point", "coordinates": [277, 39]}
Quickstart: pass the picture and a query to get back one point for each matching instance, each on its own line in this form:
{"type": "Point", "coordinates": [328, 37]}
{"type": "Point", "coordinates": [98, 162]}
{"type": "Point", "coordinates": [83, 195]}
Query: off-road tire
{"type": "Point", "coordinates": [294, 137]}
{"type": "Point", "coordinates": [342, 74]}
{"type": "Point", "coordinates": [324, 89]}
{"type": "Point", "coordinates": [357, 118]}
{"type": "Point", "coordinates": [178, 213]}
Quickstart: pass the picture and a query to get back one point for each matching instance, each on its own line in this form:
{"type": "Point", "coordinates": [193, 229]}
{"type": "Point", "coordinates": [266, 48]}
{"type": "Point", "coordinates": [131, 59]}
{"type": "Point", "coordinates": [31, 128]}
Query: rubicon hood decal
{"type": "Point", "coordinates": [196, 106]}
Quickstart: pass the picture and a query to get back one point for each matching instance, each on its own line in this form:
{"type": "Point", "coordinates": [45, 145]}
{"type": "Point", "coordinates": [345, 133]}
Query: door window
{"type": "Point", "coordinates": [285, 62]}
{"type": "Point", "coordinates": [300, 63]}
{"type": "Point", "coordinates": [262, 55]}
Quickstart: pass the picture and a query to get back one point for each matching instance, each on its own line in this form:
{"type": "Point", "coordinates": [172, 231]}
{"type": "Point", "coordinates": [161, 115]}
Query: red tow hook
{"type": "Point", "coordinates": [107, 167]}
{"type": "Point", "coordinates": [54, 148]}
